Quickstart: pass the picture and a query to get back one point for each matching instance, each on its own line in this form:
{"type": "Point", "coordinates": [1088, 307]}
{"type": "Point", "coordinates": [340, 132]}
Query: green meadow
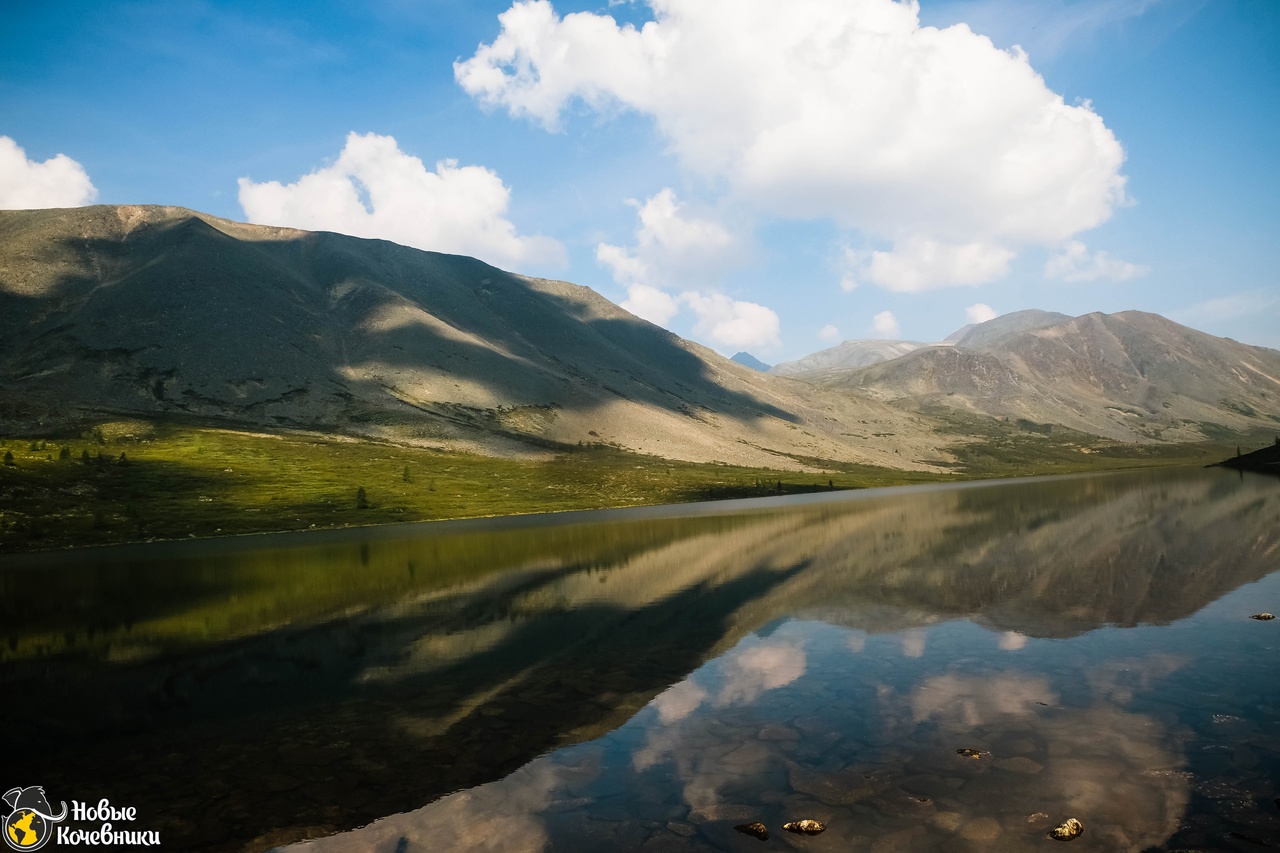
{"type": "Point", "coordinates": [128, 481]}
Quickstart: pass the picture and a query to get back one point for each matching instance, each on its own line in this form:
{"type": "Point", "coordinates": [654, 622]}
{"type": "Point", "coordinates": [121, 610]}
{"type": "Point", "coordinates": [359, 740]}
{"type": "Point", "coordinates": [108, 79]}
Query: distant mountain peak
{"type": "Point", "coordinates": [746, 359]}
{"type": "Point", "coordinates": [848, 355]}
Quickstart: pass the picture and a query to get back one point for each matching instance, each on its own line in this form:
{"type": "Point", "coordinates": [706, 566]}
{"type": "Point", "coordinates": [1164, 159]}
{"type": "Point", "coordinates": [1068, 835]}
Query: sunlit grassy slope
{"type": "Point", "coordinates": [177, 482]}
{"type": "Point", "coordinates": [130, 481]}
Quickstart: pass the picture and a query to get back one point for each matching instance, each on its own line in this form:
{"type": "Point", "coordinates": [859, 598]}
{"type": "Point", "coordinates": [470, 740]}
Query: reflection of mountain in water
{"type": "Point", "coordinates": [372, 674]}
{"type": "Point", "coordinates": [1049, 558]}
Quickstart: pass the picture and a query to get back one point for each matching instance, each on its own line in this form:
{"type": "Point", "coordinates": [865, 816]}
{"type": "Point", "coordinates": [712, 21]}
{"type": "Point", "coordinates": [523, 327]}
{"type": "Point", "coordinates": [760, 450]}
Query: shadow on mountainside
{"type": "Point", "coordinates": [181, 317]}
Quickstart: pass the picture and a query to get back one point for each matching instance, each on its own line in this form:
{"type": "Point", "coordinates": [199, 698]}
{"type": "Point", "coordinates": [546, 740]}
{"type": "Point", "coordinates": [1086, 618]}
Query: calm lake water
{"type": "Point", "coordinates": [647, 680]}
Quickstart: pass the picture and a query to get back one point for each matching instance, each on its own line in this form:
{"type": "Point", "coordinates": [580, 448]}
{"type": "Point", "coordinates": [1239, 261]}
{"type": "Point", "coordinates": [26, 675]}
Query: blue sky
{"type": "Point", "coordinates": [769, 175]}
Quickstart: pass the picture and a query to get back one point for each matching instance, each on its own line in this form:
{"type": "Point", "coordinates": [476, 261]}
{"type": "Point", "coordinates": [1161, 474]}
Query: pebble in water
{"type": "Point", "coordinates": [805, 827]}
{"type": "Point", "coordinates": [969, 753]}
{"type": "Point", "coordinates": [757, 829]}
{"type": "Point", "coordinates": [1067, 830]}
{"type": "Point", "coordinates": [1262, 616]}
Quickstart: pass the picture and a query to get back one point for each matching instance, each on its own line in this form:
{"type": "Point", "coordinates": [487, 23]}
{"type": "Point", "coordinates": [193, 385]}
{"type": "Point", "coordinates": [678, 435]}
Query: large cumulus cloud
{"type": "Point", "coordinates": [948, 153]}
{"type": "Point", "coordinates": [373, 189]}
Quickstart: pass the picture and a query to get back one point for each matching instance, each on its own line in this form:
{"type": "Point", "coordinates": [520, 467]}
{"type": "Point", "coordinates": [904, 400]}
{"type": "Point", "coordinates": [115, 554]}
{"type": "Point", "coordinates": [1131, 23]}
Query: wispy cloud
{"type": "Point", "coordinates": [1252, 303]}
{"type": "Point", "coordinates": [1046, 29]}
{"type": "Point", "coordinates": [1074, 262]}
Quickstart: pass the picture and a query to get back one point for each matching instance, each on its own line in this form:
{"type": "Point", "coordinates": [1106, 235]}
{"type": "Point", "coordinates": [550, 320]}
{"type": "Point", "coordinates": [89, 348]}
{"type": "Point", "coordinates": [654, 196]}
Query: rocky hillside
{"type": "Point", "coordinates": [847, 355]}
{"type": "Point", "coordinates": [1131, 376]}
{"type": "Point", "coordinates": [161, 311]}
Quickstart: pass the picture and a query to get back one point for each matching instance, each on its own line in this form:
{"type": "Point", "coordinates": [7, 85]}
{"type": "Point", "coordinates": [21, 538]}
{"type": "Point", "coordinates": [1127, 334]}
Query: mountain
{"type": "Point", "coordinates": [849, 354]}
{"type": "Point", "coordinates": [165, 312]}
{"type": "Point", "coordinates": [1130, 376]}
{"type": "Point", "coordinates": [746, 359]}
{"type": "Point", "coordinates": [977, 335]}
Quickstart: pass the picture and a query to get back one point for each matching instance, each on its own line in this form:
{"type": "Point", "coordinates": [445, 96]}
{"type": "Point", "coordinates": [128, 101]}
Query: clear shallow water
{"type": "Point", "coordinates": [648, 682]}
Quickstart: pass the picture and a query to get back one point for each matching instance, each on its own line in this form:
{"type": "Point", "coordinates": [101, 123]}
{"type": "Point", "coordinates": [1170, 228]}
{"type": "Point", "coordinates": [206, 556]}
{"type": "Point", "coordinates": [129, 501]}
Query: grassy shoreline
{"type": "Point", "coordinates": [130, 481]}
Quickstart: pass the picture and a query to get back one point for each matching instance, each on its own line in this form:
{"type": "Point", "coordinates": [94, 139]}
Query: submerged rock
{"type": "Point", "coordinates": [1262, 616]}
{"type": "Point", "coordinates": [981, 830]}
{"type": "Point", "coordinates": [757, 829]}
{"type": "Point", "coordinates": [1067, 830]}
{"type": "Point", "coordinates": [970, 753]}
{"type": "Point", "coordinates": [805, 827]}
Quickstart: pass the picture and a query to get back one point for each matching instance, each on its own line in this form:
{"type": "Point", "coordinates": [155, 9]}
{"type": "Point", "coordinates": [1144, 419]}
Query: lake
{"type": "Point", "coordinates": [649, 679]}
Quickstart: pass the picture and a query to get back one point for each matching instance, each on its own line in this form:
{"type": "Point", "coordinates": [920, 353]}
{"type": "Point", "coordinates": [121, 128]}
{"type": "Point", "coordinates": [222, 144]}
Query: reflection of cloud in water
{"type": "Point", "coordinates": [857, 643]}
{"type": "Point", "coordinates": [679, 701]}
{"type": "Point", "coordinates": [1117, 680]}
{"type": "Point", "coordinates": [1012, 641]}
{"type": "Point", "coordinates": [913, 643]}
{"type": "Point", "coordinates": [1109, 767]}
{"type": "Point", "coordinates": [501, 817]}
{"type": "Point", "coordinates": [1113, 769]}
{"type": "Point", "coordinates": [758, 668]}
{"type": "Point", "coordinates": [706, 756]}
{"type": "Point", "coordinates": [978, 701]}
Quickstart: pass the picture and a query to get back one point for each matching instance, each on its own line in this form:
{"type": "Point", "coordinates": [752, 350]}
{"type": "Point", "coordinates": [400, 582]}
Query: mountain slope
{"type": "Point", "coordinates": [1131, 376]}
{"type": "Point", "coordinates": [1005, 326]}
{"type": "Point", "coordinates": [846, 355]}
{"type": "Point", "coordinates": [164, 311]}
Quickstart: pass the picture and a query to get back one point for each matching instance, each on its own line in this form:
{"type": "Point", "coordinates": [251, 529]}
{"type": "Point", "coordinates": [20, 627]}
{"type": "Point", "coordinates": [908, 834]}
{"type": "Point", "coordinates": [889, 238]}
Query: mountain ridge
{"type": "Point", "coordinates": [156, 311]}
{"type": "Point", "coordinates": [1130, 376]}
{"type": "Point", "coordinates": [162, 311]}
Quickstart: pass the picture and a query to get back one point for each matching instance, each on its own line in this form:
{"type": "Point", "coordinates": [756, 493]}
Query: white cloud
{"type": "Point", "coordinates": [885, 325]}
{"type": "Point", "coordinates": [374, 189]}
{"type": "Point", "coordinates": [1075, 263]}
{"type": "Point", "coordinates": [650, 303]}
{"type": "Point", "coordinates": [675, 249]}
{"type": "Point", "coordinates": [732, 323]}
{"type": "Point", "coordinates": [829, 333]}
{"type": "Point", "coordinates": [931, 139]}
{"type": "Point", "coordinates": [980, 313]}
{"type": "Point", "coordinates": [672, 247]}
{"type": "Point", "coordinates": [27, 185]}
{"type": "Point", "coordinates": [919, 263]}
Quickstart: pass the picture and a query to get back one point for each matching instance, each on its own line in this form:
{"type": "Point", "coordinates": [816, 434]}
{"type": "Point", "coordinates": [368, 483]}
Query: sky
{"type": "Point", "coordinates": [772, 176]}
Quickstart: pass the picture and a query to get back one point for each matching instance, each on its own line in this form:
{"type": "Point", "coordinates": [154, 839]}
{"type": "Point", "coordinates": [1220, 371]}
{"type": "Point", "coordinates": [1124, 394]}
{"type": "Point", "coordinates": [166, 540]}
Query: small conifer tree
{"type": "Point", "coordinates": [123, 460]}
{"type": "Point", "coordinates": [64, 454]}
{"type": "Point", "coordinates": [8, 458]}
{"type": "Point", "coordinates": [84, 457]}
{"type": "Point", "coordinates": [362, 500]}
